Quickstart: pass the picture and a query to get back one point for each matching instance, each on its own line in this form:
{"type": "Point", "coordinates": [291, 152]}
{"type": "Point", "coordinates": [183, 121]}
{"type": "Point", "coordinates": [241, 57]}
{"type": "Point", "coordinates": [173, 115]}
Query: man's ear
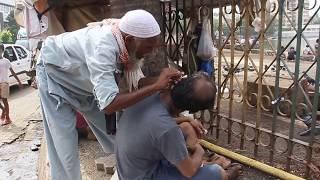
{"type": "Point", "coordinates": [129, 42]}
{"type": "Point", "coordinates": [128, 39]}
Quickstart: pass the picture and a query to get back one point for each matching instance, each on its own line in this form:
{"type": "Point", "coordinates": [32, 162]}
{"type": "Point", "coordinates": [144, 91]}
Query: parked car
{"type": "Point", "coordinates": [20, 59]}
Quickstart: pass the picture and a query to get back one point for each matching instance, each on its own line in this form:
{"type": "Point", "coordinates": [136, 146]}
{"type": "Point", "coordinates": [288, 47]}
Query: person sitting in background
{"type": "Point", "coordinates": [291, 54]}
{"type": "Point", "coordinates": [150, 144]}
{"type": "Point", "coordinates": [308, 85]}
{"type": "Point", "coordinates": [307, 50]}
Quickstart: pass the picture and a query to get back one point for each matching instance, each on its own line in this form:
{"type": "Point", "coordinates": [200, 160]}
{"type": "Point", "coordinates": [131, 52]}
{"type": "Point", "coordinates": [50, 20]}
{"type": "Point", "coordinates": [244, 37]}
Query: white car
{"type": "Point", "coordinates": [20, 59]}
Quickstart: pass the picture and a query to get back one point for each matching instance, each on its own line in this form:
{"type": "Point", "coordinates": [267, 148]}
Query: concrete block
{"type": "Point", "coordinates": [100, 163]}
{"type": "Point", "coordinates": [106, 164]}
{"type": "Point", "coordinates": [110, 164]}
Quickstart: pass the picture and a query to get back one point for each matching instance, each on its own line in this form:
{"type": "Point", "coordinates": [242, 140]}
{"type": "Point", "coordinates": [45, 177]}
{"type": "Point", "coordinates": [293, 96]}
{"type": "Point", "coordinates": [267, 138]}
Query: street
{"type": "Point", "coordinates": [17, 161]}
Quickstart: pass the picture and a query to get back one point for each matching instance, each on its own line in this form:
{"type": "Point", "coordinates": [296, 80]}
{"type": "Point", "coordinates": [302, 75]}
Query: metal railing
{"type": "Point", "coordinates": [262, 103]}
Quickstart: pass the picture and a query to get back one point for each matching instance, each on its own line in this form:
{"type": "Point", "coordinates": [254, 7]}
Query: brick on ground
{"type": "Point", "coordinates": [106, 163]}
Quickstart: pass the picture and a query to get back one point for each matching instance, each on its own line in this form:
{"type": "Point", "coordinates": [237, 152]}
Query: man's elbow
{"type": "Point", "coordinates": [108, 110]}
{"type": "Point", "coordinates": [112, 107]}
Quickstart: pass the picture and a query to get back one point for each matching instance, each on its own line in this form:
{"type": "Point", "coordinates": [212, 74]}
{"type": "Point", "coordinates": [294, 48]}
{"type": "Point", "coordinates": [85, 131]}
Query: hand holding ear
{"type": "Point", "coordinates": [167, 77]}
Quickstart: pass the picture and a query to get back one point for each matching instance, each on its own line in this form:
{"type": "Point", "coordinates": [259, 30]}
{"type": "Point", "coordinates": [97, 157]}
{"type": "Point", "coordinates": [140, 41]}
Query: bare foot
{"type": "Point", "coordinates": [233, 171]}
{"type": "Point", "coordinates": [1, 121]}
{"type": "Point", "coordinates": [5, 122]}
{"type": "Point", "coordinates": [220, 160]}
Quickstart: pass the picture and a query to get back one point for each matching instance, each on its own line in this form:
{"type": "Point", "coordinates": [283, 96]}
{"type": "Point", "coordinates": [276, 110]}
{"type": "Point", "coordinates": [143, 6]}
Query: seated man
{"type": "Point", "coordinates": [308, 85]}
{"type": "Point", "coordinates": [150, 144]}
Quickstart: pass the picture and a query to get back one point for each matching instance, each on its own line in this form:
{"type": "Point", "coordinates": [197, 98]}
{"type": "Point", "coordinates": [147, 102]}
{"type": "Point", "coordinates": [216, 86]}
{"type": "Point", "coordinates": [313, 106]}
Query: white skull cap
{"type": "Point", "coordinates": [139, 23]}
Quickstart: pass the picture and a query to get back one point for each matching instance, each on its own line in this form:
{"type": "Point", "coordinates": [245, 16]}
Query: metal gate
{"type": "Point", "coordinates": [267, 74]}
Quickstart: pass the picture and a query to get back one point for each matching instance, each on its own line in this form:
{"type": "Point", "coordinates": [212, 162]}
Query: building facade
{"type": "Point", "coordinates": [292, 13]}
{"type": "Point", "coordinates": [6, 6]}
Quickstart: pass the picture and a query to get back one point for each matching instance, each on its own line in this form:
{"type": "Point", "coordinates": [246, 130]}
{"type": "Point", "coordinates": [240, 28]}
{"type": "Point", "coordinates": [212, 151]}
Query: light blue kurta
{"type": "Point", "coordinates": [84, 61]}
{"type": "Point", "coordinates": [76, 72]}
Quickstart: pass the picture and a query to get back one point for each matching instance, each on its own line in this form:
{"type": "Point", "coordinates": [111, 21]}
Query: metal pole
{"type": "Point", "coordinates": [170, 31]}
{"type": "Point", "coordinates": [219, 69]}
{"type": "Point", "coordinates": [296, 83]}
{"type": "Point", "coordinates": [176, 25]}
{"type": "Point", "coordinates": [261, 51]}
{"type": "Point", "coordinates": [276, 85]}
{"type": "Point", "coordinates": [245, 77]}
{"type": "Point", "coordinates": [233, 24]}
{"type": "Point", "coordinates": [164, 19]}
{"type": "Point", "coordinates": [314, 113]}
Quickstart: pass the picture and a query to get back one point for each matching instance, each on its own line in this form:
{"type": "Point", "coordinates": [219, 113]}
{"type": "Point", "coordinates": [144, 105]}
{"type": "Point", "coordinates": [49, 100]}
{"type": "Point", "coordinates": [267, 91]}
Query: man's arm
{"type": "Point", "coordinates": [147, 81]}
{"type": "Point", "coordinates": [146, 88]}
{"type": "Point", "coordinates": [125, 100]}
{"type": "Point", "coordinates": [182, 119]}
{"type": "Point", "coordinates": [102, 64]}
{"type": "Point", "coordinates": [173, 147]}
{"type": "Point", "coordinates": [150, 80]}
{"type": "Point", "coordinates": [15, 76]}
{"type": "Point", "coordinates": [196, 124]}
{"type": "Point", "coordinates": [189, 167]}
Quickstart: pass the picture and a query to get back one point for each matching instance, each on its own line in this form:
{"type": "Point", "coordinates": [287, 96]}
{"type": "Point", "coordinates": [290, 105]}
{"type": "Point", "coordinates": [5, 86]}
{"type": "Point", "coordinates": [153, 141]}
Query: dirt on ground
{"type": "Point", "coordinates": [17, 160]}
{"type": "Point", "coordinates": [89, 151]}
{"type": "Point", "coordinates": [232, 140]}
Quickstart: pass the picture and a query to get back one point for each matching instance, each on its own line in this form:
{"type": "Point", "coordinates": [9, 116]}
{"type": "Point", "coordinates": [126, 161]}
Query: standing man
{"type": "Point", "coordinates": [5, 66]}
{"type": "Point", "coordinates": [81, 70]}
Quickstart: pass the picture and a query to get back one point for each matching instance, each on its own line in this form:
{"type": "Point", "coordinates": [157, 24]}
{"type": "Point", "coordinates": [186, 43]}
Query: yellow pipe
{"type": "Point", "coordinates": [250, 162]}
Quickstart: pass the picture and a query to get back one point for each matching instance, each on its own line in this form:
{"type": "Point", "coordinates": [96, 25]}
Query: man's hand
{"type": "Point", "coordinates": [16, 77]}
{"type": "Point", "coordinates": [304, 83]}
{"type": "Point", "coordinates": [190, 166]}
{"type": "Point", "coordinates": [196, 124]}
{"type": "Point", "coordinates": [124, 100]}
{"type": "Point", "coordinates": [167, 77]}
{"type": "Point", "coordinates": [199, 148]}
{"type": "Point", "coordinates": [307, 86]}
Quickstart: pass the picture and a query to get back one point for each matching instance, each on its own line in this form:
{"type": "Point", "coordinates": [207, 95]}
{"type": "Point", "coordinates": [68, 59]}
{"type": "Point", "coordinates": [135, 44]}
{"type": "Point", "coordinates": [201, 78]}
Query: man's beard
{"type": "Point", "coordinates": [134, 62]}
{"type": "Point", "coordinates": [133, 73]}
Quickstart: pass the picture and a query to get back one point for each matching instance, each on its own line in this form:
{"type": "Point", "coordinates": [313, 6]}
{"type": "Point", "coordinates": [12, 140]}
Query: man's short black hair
{"type": "Point", "coordinates": [186, 94]}
{"type": "Point", "coordinates": [1, 46]}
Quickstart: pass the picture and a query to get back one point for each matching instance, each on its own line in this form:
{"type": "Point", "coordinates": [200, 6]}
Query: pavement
{"type": "Point", "coordinates": [17, 161]}
{"type": "Point", "coordinates": [89, 151]}
{"type": "Point", "coordinates": [24, 106]}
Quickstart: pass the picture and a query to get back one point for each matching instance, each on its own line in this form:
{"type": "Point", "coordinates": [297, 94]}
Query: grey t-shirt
{"type": "Point", "coordinates": [146, 135]}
